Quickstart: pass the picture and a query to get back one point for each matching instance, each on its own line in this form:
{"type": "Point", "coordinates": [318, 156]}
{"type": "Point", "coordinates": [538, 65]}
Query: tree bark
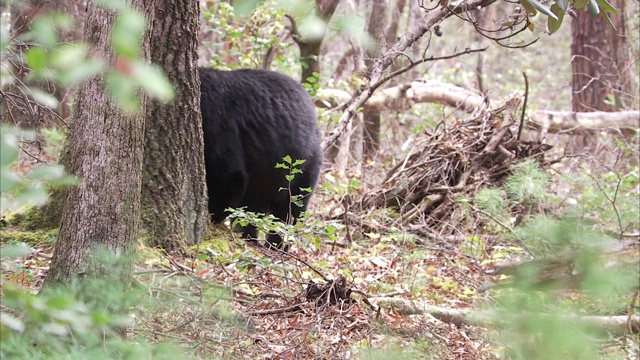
{"type": "Point", "coordinates": [105, 152]}
{"type": "Point", "coordinates": [567, 122]}
{"type": "Point", "coordinates": [376, 28]}
{"type": "Point", "coordinates": [310, 49]}
{"type": "Point", "coordinates": [603, 70]}
{"type": "Point", "coordinates": [174, 198]}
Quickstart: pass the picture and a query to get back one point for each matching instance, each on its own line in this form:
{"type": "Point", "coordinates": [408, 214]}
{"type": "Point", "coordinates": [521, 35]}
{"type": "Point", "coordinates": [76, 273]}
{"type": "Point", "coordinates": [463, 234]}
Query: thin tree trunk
{"type": "Point", "coordinates": [603, 72]}
{"type": "Point", "coordinates": [174, 196]}
{"type": "Point", "coordinates": [105, 152]}
{"type": "Point", "coordinates": [377, 30]}
{"type": "Point", "coordinates": [310, 49]}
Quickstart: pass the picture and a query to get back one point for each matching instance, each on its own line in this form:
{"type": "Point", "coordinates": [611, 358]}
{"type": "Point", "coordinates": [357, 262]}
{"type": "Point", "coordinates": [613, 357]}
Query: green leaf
{"type": "Point", "coordinates": [527, 6]}
{"type": "Point", "coordinates": [153, 81]}
{"type": "Point", "coordinates": [594, 9]}
{"type": "Point", "coordinates": [15, 250]}
{"type": "Point", "coordinates": [64, 181]}
{"type": "Point", "coordinates": [114, 5]}
{"type": "Point", "coordinates": [123, 90]}
{"type": "Point", "coordinates": [36, 58]}
{"type": "Point", "coordinates": [43, 98]}
{"type": "Point", "coordinates": [81, 72]}
{"type": "Point", "coordinates": [8, 150]}
{"type": "Point", "coordinates": [312, 27]}
{"type": "Point", "coordinates": [608, 20]}
{"type": "Point", "coordinates": [579, 4]}
{"type": "Point", "coordinates": [554, 24]}
{"type": "Point", "coordinates": [11, 322]}
{"type": "Point", "coordinates": [245, 7]}
{"type": "Point", "coordinates": [543, 9]}
{"type": "Point", "coordinates": [8, 179]}
{"type": "Point", "coordinates": [46, 172]}
{"type": "Point", "coordinates": [127, 33]}
{"type": "Point", "coordinates": [33, 195]}
{"type": "Point", "coordinates": [607, 7]}
{"type": "Point", "coordinates": [68, 55]}
{"type": "Point", "coordinates": [564, 5]}
{"type": "Point", "coordinates": [42, 31]}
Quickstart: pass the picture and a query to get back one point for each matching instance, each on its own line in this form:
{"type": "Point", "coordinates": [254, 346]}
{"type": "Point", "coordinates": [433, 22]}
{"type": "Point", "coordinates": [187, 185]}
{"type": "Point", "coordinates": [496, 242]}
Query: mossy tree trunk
{"type": "Point", "coordinates": [174, 198]}
{"type": "Point", "coordinates": [105, 151]}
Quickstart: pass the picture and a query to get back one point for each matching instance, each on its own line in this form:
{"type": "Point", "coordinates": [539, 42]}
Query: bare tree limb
{"type": "Point", "coordinates": [614, 324]}
{"type": "Point", "coordinates": [380, 65]}
{"type": "Point", "coordinates": [555, 121]}
{"type": "Point", "coordinates": [404, 96]}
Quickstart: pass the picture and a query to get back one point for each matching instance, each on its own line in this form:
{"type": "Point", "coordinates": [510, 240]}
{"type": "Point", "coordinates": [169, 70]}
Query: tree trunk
{"type": "Point", "coordinates": [310, 49]}
{"type": "Point", "coordinates": [377, 30]}
{"type": "Point", "coordinates": [603, 78]}
{"type": "Point", "coordinates": [105, 152]}
{"type": "Point", "coordinates": [174, 198]}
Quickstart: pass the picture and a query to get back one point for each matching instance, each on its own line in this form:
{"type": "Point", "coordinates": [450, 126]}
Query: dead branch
{"type": "Point", "coordinates": [376, 72]}
{"type": "Point", "coordinates": [613, 324]}
{"type": "Point", "coordinates": [417, 307]}
{"type": "Point", "coordinates": [564, 271]}
{"type": "Point", "coordinates": [402, 97]}
{"type": "Point", "coordinates": [557, 121]}
{"type": "Point", "coordinates": [472, 153]}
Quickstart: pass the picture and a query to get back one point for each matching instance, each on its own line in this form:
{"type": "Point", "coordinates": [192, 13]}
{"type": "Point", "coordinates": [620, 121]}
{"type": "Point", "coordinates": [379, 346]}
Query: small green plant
{"type": "Point", "coordinates": [528, 184]}
{"type": "Point", "coordinates": [293, 167]}
{"type": "Point", "coordinates": [81, 320]}
{"type": "Point", "coordinates": [247, 42]}
{"type": "Point", "coordinates": [54, 138]}
{"type": "Point", "coordinates": [537, 315]}
{"type": "Point", "coordinates": [490, 200]}
{"type": "Point", "coordinates": [17, 190]}
{"type": "Point", "coordinates": [69, 64]}
{"type": "Point", "coordinates": [312, 84]}
{"type": "Point", "coordinates": [312, 232]}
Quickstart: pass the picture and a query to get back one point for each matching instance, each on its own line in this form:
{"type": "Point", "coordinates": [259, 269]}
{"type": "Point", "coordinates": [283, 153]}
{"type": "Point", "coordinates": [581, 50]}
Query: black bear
{"type": "Point", "coordinates": [251, 120]}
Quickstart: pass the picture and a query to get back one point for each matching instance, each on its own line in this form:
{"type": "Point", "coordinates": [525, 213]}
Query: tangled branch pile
{"type": "Point", "coordinates": [475, 153]}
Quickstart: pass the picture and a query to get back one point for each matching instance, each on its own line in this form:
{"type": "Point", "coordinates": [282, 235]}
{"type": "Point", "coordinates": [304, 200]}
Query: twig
{"type": "Point", "coordinates": [524, 105]}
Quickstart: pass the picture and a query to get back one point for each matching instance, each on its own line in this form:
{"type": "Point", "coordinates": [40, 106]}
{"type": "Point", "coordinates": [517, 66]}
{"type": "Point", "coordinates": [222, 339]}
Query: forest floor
{"type": "Point", "coordinates": [255, 303]}
{"type": "Point", "coordinates": [380, 289]}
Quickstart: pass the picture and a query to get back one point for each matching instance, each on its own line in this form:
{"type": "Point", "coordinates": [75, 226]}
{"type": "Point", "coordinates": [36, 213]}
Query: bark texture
{"type": "Point", "coordinates": [601, 62]}
{"type": "Point", "coordinates": [105, 152]}
{"type": "Point", "coordinates": [310, 49]}
{"type": "Point", "coordinates": [174, 197]}
{"type": "Point", "coordinates": [376, 28]}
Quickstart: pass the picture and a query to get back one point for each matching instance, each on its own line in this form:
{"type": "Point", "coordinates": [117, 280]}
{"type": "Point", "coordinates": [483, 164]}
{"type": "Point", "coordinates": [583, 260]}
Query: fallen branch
{"type": "Point", "coordinates": [614, 324]}
{"type": "Point", "coordinates": [556, 121]}
{"type": "Point", "coordinates": [378, 69]}
{"type": "Point", "coordinates": [404, 96]}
